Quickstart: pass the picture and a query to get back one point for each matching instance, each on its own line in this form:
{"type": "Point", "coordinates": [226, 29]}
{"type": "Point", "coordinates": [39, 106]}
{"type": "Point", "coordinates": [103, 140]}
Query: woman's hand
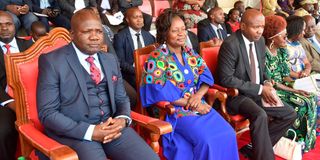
{"type": "Point", "coordinates": [303, 93]}
{"type": "Point", "coordinates": [203, 108]}
{"type": "Point", "coordinates": [194, 101]}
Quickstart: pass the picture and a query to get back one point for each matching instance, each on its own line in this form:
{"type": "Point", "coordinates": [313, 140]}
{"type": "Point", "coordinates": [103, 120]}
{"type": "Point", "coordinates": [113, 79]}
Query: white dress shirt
{"type": "Point", "coordinates": [134, 38]}
{"type": "Point", "coordinates": [215, 28]}
{"type": "Point", "coordinates": [82, 58]}
{"type": "Point", "coordinates": [247, 43]}
{"type": "Point", "coordinates": [13, 49]}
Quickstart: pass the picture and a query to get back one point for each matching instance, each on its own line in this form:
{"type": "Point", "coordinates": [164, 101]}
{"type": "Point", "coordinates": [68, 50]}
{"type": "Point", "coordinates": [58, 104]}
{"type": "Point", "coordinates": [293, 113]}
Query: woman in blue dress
{"type": "Point", "coordinates": [177, 74]}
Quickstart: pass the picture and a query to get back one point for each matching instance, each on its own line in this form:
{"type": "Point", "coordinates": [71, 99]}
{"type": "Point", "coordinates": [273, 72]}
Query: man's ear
{"type": "Point", "coordinates": [71, 34]}
{"type": "Point", "coordinates": [242, 26]}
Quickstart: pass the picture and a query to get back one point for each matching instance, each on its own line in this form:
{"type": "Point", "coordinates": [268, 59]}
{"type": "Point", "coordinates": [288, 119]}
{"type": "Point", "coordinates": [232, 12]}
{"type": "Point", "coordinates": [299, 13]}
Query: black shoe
{"type": "Point", "coordinates": [247, 151]}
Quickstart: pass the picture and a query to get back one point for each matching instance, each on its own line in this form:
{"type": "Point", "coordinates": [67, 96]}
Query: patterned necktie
{"type": "Point", "coordinates": [7, 46]}
{"type": "Point", "coordinates": [138, 40]}
{"type": "Point", "coordinates": [252, 64]}
{"type": "Point", "coordinates": [94, 70]}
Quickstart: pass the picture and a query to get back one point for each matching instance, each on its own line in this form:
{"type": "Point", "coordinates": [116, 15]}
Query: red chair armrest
{"type": "Point", "coordinates": [154, 125]}
{"type": "Point", "coordinates": [230, 91]}
{"type": "Point", "coordinates": [46, 145]}
{"type": "Point", "coordinates": [166, 106]}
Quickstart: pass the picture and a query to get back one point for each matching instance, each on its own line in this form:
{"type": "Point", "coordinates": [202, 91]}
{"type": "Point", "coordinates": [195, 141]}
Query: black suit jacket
{"type": "Point", "coordinates": [233, 68]}
{"type": "Point", "coordinates": [62, 96]}
{"type": "Point", "coordinates": [123, 44]}
{"type": "Point", "coordinates": [36, 5]}
{"type": "Point", "coordinates": [23, 45]}
{"type": "Point", "coordinates": [194, 41]}
{"type": "Point", "coordinates": [67, 6]}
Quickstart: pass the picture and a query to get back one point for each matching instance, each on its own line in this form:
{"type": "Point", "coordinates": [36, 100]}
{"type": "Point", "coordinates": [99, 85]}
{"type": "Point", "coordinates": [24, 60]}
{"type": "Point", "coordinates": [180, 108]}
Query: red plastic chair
{"type": "Point", "coordinates": [22, 74]}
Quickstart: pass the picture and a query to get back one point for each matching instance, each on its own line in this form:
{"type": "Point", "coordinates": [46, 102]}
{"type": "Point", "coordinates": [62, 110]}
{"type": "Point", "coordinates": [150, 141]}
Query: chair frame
{"type": "Point", "coordinates": [32, 137]}
{"type": "Point", "coordinates": [241, 124]}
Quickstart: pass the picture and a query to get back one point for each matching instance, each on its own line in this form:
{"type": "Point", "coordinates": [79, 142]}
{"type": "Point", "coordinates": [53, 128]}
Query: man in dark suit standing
{"type": "Point", "coordinates": [81, 99]}
{"type": "Point", "coordinates": [52, 10]}
{"type": "Point", "coordinates": [9, 45]}
{"type": "Point", "coordinates": [130, 39]}
{"type": "Point", "coordinates": [241, 65]}
{"type": "Point", "coordinates": [69, 7]}
{"type": "Point", "coordinates": [214, 29]}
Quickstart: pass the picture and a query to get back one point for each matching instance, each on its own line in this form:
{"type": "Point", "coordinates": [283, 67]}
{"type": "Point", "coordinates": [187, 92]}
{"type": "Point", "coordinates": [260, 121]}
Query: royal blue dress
{"type": "Point", "coordinates": [194, 136]}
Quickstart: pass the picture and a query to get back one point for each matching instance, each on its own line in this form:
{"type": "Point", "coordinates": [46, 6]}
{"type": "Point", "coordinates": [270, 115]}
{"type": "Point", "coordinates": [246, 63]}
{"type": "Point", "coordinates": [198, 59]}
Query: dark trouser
{"type": "Point", "coordinates": [131, 92]}
{"type": "Point", "coordinates": [8, 134]}
{"type": "Point", "coordinates": [147, 20]}
{"type": "Point", "coordinates": [130, 146]}
{"type": "Point", "coordinates": [265, 134]}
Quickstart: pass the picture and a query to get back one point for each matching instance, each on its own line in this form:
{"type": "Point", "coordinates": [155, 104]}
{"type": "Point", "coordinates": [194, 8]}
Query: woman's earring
{"type": "Point", "coordinates": [271, 44]}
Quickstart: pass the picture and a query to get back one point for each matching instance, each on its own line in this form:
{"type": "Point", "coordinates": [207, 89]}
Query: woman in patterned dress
{"type": "Point", "coordinates": [175, 73]}
{"type": "Point", "coordinates": [278, 70]}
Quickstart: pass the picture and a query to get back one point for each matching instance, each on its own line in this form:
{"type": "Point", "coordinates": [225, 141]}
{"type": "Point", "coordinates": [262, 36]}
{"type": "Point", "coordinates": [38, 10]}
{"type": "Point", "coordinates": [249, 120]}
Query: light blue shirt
{"type": "Point", "coordinates": [44, 4]}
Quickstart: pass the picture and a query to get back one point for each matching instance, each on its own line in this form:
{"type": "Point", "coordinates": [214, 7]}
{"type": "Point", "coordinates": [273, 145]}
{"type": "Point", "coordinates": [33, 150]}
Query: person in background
{"type": "Point", "coordinates": [270, 7]}
{"type": "Point", "coordinates": [81, 99]}
{"type": "Point", "coordinates": [233, 24]}
{"type": "Point", "coordinates": [298, 62]}
{"type": "Point", "coordinates": [286, 6]}
{"type": "Point", "coordinates": [124, 5]}
{"type": "Point", "coordinates": [129, 39]}
{"type": "Point", "coordinates": [311, 43]}
{"type": "Point", "coordinates": [239, 5]}
{"type": "Point", "coordinates": [191, 7]}
{"type": "Point", "coordinates": [241, 65]}
{"type": "Point", "coordinates": [215, 29]}
{"type": "Point", "coordinates": [208, 4]}
{"type": "Point", "coordinates": [175, 73]}
{"type": "Point", "coordinates": [69, 7]}
{"type": "Point", "coordinates": [38, 30]}
{"type": "Point", "coordinates": [191, 39]}
{"type": "Point", "coordinates": [51, 9]}
{"type": "Point", "coordinates": [21, 12]}
{"type": "Point", "coordinates": [8, 45]}
{"type": "Point", "coordinates": [278, 70]}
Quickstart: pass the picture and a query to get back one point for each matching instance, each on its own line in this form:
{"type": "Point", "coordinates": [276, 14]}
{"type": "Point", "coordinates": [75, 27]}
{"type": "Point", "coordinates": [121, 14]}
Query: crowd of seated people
{"type": "Point", "coordinates": [260, 54]}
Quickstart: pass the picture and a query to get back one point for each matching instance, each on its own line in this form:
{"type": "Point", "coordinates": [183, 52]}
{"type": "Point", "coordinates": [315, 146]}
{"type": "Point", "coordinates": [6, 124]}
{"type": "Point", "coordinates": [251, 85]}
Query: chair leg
{"type": "Point", "coordinates": [26, 147]}
{"type": "Point", "coordinates": [155, 142]}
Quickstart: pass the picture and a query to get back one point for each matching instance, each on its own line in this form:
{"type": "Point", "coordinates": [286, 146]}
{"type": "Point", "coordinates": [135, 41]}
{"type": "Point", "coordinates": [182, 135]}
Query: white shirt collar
{"type": "Point", "coordinates": [216, 27]}
{"type": "Point", "coordinates": [246, 40]}
{"type": "Point", "coordinates": [13, 46]}
{"type": "Point", "coordinates": [133, 32]}
{"type": "Point", "coordinates": [82, 55]}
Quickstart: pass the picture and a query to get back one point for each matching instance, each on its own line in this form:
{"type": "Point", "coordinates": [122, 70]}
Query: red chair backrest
{"type": "Point", "coordinates": [140, 57]}
{"type": "Point", "coordinates": [22, 71]}
{"type": "Point", "coordinates": [210, 56]}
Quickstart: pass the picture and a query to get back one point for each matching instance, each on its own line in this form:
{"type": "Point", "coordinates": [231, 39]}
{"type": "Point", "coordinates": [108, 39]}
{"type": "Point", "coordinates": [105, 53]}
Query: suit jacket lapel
{"type": "Point", "coordinates": [104, 61]}
{"type": "Point", "coordinates": [129, 39]}
{"type": "Point", "coordinates": [76, 67]}
{"type": "Point", "coordinates": [212, 31]}
{"type": "Point", "coordinates": [244, 53]}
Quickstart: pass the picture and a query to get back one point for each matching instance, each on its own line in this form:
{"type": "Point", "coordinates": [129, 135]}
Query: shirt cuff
{"type": "Point", "coordinates": [260, 90]}
{"type": "Point", "coordinates": [129, 120]}
{"type": "Point", "coordinates": [7, 102]}
{"type": "Point", "coordinates": [89, 133]}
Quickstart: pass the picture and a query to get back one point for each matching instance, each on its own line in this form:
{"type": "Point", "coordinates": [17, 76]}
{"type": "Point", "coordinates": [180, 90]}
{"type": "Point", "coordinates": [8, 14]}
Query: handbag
{"type": "Point", "coordinates": [288, 149]}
